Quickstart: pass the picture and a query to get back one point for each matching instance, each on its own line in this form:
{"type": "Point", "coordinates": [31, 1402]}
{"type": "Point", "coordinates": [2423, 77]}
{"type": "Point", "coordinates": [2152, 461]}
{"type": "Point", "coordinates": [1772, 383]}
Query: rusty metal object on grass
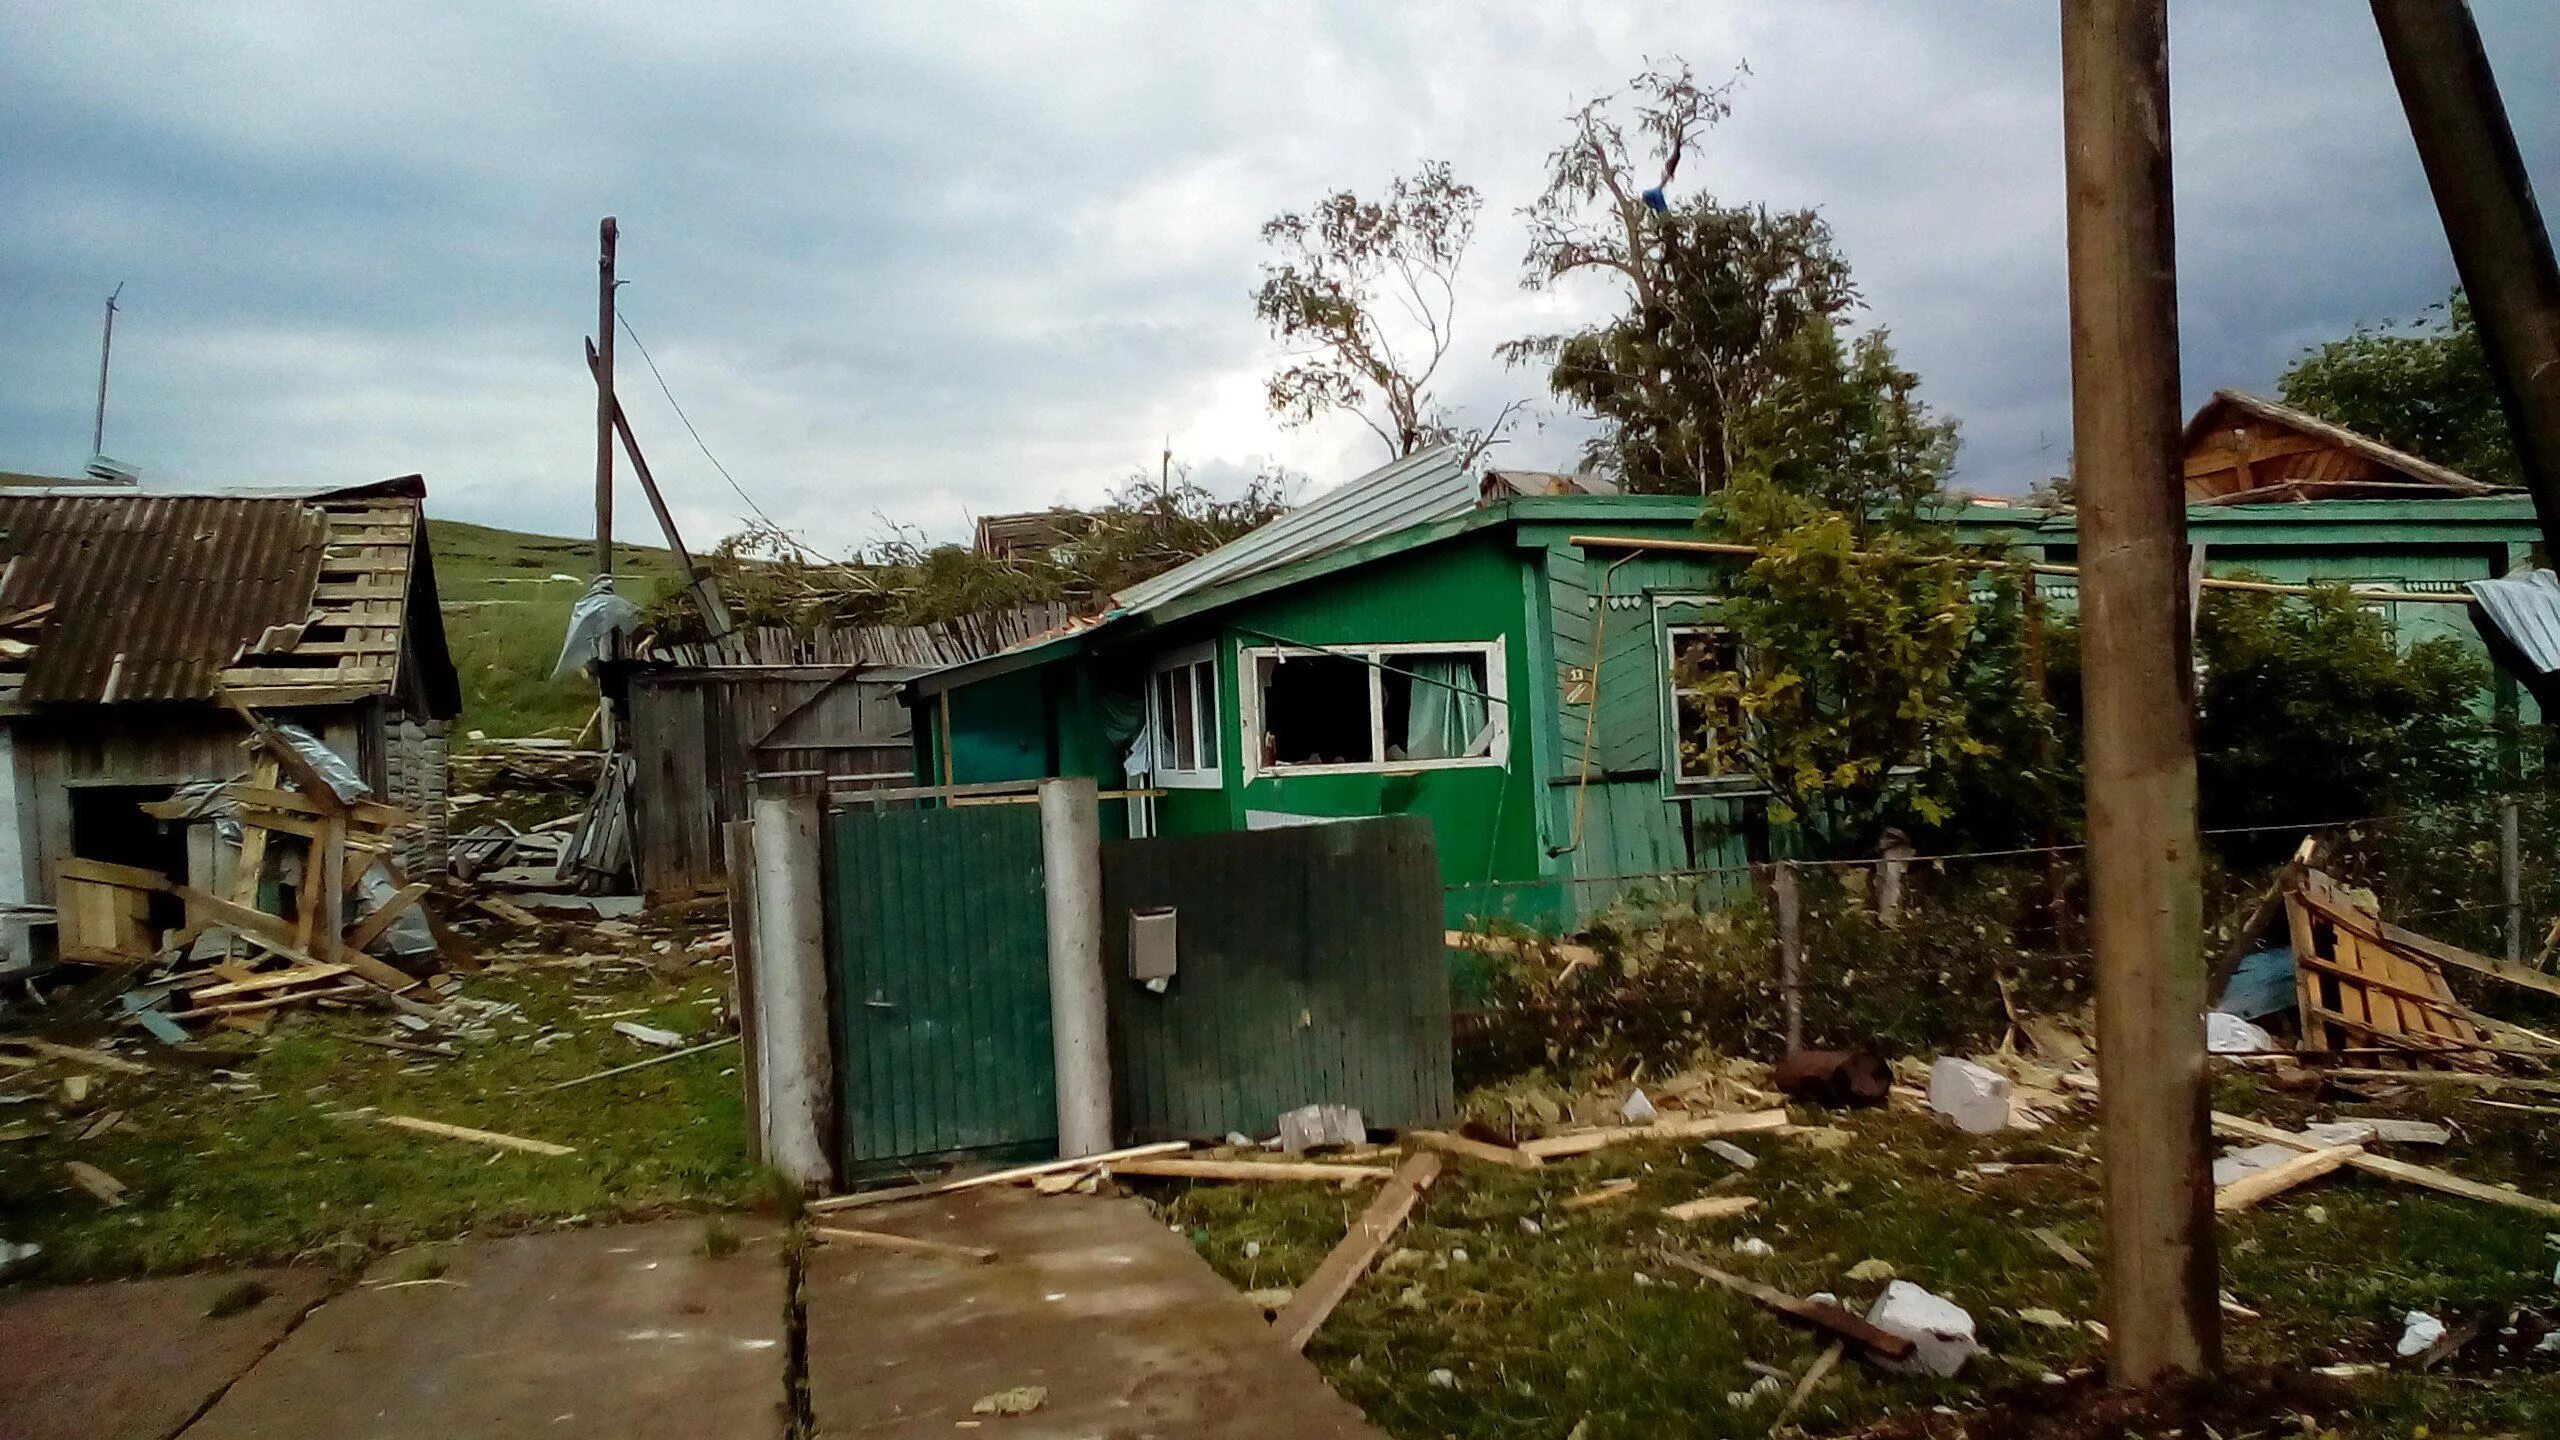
{"type": "Point", "coordinates": [1838, 1078]}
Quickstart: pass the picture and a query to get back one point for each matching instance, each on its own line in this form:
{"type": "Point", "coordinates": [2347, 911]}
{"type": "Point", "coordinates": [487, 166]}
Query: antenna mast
{"type": "Point", "coordinates": [106, 345]}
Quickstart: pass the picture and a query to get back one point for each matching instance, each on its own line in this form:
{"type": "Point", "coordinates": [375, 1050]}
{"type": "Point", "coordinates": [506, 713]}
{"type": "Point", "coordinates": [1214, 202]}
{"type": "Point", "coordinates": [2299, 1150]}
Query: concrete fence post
{"type": "Point", "coordinates": [795, 1063]}
{"type": "Point", "coordinates": [1079, 1019]}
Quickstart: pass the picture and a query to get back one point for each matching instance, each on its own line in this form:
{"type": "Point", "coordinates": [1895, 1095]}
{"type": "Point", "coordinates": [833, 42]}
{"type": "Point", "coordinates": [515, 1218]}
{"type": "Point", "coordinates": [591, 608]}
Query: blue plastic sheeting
{"type": "Point", "coordinates": [2263, 985]}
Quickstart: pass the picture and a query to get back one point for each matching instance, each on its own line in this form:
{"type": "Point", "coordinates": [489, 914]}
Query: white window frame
{"type": "Point", "coordinates": [1497, 688]}
{"type": "Point", "coordinates": [1201, 661]}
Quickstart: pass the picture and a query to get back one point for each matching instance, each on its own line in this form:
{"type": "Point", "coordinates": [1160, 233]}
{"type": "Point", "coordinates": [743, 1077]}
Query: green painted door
{"type": "Point", "coordinates": [938, 938]}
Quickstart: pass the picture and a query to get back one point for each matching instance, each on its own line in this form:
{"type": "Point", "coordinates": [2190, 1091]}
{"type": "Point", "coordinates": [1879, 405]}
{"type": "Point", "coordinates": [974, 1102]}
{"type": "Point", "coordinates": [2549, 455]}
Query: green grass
{"type": "Point", "coordinates": [504, 616]}
{"type": "Point", "coordinates": [262, 1155]}
{"type": "Point", "coordinates": [1582, 1321]}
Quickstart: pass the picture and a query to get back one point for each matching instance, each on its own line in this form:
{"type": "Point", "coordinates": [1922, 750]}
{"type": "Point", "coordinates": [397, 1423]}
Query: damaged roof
{"type": "Point", "coordinates": [172, 597]}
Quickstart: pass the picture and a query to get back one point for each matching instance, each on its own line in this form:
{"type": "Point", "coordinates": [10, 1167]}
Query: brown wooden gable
{"type": "Point", "coordinates": [2245, 449]}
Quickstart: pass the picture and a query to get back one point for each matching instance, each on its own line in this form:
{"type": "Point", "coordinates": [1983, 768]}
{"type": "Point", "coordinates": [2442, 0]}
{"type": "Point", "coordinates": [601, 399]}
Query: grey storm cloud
{"type": "Point", "coordinates": [926, 262]}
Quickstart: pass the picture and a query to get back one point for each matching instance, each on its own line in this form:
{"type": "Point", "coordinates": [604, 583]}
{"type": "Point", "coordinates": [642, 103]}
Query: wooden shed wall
{"type": "Point", "coordinates": [699, 736]}
{"type": "Point", "coordinates": [142, 745]}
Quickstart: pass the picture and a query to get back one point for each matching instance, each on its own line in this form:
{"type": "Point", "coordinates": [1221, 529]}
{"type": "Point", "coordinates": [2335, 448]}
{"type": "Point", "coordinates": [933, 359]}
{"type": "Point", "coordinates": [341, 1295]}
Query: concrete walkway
{"type": "Point", "coordinates": [634, 1333]}
{"type": "Point", "coordinates": [1127, 1329]}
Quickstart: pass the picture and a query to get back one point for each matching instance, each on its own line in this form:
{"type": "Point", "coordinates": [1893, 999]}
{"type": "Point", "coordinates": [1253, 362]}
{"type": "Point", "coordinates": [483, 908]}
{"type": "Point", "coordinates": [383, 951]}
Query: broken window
{"type": "Point", "coordinates": [1699, 716]}
{"type": "Point", "coordinates": [1376, 706]}
{"type": "Point", "coordinates": [1182, 714]}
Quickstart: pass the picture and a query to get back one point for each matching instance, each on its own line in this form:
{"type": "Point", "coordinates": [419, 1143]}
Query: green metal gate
{"type": "Point", "coordinates": [937, 941]}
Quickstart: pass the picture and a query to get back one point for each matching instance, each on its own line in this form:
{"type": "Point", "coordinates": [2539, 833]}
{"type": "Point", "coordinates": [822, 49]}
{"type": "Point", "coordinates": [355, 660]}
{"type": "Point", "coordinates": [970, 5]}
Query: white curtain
{"type": "Point", "coordinates": [1450, 715]}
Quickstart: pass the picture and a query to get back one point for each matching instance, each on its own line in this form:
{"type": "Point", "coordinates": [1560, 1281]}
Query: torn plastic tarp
{"type": "Point", "coordinates": [342, 777]}
{"type": "Point", "coordinates": [2262, 986]}
{"type": "Point", "coordinates": [598, 616]}
{"type": "Point", "coordinates": [409, 933]}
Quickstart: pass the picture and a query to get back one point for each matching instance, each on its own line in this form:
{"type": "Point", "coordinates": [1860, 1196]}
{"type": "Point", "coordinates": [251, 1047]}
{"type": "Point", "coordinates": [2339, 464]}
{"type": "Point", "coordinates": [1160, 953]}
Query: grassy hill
{"type": "Point", "coordinates": [506, 605]}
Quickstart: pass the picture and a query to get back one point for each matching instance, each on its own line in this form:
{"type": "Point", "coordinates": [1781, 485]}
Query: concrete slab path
{"type": "Point", "coordinates": [1130, 1331]}
{"type": "Point", "coordinates": [627, 1333]}
{"type": "Point", "coordinates": [137, 1359]}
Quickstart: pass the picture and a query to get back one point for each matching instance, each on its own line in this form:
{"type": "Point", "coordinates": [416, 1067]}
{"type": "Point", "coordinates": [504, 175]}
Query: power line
{"type": "Point", "coordinates": [661, 378]}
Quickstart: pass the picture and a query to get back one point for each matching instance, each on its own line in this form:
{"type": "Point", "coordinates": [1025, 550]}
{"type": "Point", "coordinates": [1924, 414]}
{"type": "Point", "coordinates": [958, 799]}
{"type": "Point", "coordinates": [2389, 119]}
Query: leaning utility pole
{"type": "Point", "coordinates": [604, 396]}
{"type": "Point", "coordinates": [2146, 914]}
{"type": "Point", "coordinates": [2486, 201]}
{"type": "Point", "coordinates": [106, 346]}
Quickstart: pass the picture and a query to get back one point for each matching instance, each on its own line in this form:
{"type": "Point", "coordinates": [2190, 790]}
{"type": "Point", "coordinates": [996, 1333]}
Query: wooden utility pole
{"type": "Point", "coordinates": [606, 234]}
{"type": "Point", "coordinates": [2486, 202]}
{"type": "Point", "coordinates": [2145, 902]}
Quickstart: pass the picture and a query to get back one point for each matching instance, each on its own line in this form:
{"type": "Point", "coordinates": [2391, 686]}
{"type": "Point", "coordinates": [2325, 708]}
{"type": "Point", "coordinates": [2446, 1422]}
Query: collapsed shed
{"type": "Point", "coordinates": [126, 616]}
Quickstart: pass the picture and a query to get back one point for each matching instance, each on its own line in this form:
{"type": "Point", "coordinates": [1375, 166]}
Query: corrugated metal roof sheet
{"type": "Point", "coordinates": [1416, 490]}
{"type": "Point", "coordinates": [2526, 609]}
{"type": "Point", "coordinates": [152, 596]}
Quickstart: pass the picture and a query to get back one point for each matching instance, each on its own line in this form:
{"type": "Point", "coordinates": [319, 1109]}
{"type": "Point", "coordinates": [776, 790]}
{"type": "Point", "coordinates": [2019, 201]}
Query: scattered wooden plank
{"type": "Point", "coordinates": [1249, 1170]}
{"type": "Point", "coordinates": [2442, 1077]}
{"type": "Point", "coordinates": [506, 910]}
{"type": "Point", "coordinates": [645, 1064]}
{"type": "Point", "coordinates": [1601, 1194]}
{"type": "Point", "coordinates": [95, 1059]}
{"type": "Point", "coordinates": [269, 980]}
{"type": "Point", "coordinates": [2442, 1181]}
{"type": "Point", "coordinates": [482, 1137]}
{"type": "Point", "coordinates": [107, 1188]}
{"type": "Point", "coordinates": [2266, 1184]}
{"type": "Point", "coordinates": [371, 927]}
{"type": "Point", "coordinates": [2433, 949]}
{"type": "Point", "coordinates": [997, 1177]}
{"type": "Point", "coordinates": [1842, 1323]}
{"type": "Point", "coordinates": [1583, 1142]}
{"type": "Point", "coordinates": [1814, 1375]}
{"type": "Point", "coordinates": [2069, 1252]}
{"type": "Point", "coordinates": [130, 877]}
{"type": "Point", "coordinates": [1466, 1149]}
{"type": "Point", "coordinates": [903, 1244]}
{"type": "Point", "coordinates": [1342, 1268]}
{"type": "Point", "coordinates": [353, 989]}
{"type": "Point", "coordinates": [1711, 1207]}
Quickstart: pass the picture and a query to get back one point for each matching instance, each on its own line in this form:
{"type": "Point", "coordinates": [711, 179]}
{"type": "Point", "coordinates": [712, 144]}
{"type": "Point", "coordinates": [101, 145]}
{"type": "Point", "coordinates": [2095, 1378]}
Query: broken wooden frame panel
{"type": "Point", "coordinates": [2356, 988]}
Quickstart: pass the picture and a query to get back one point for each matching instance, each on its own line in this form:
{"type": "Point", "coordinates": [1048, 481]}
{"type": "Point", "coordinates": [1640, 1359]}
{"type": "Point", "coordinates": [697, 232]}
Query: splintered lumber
{"type": "Point", "coordinates": [1305, 1313]}
{"type": "Point", "coordinates": [1583, 1142]}
{"type": "Point", "coordinates": [271, 980]}
{"type": "Point", "coordinates": [2443, 1181]}
{"type": "Point", "coordinates": [95, 1058]}
{"type": "Point", "coordinates": [371, 927]}
{"type": "Point", "coordinates": [1249, 1170]}
{"type": "Point", "coordinates": [903, 1244]}
{"type": "Point", "coordinates": [483, 1137]}
{"type": "Point", "coordinates": [2266, 1184]}
{"type": "Point", "coordinates": [1711, 1207]}
{"type": "Point", "coordinates": [107, 1188]}
{"type": "Point", "coordinates": [2064, 1248]}
{"type": "Point", "coordinates": [1842, 1323]}
{"type": "Point", "coordinates": [2351, 980]}
{"type": "Point", "coordinates": [1467, 1149]}
{"type": "Point", "coordinates": [1600, 1194]}
{"type": "Point", "coordinates": [2487, 1082]}
{"type": "Point", "coordinates": [998, 1177]}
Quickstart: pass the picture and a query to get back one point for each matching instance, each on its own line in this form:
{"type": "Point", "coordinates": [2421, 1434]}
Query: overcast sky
{"type": "Point", "coordinates": [933, 261]}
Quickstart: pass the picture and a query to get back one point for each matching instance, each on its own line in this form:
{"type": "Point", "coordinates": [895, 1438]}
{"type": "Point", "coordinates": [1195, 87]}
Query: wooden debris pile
{"type": "Point", "coordinates": [314, 887]}
{"type": "Point", "coordinates": [504, 766]}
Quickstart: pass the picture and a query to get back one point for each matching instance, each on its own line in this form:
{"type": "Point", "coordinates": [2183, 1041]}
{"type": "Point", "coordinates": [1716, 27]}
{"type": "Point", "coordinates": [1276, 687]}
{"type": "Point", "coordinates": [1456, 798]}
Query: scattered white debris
{"type": "Point", "coordinates": [14, 1253]}
{"type": "Point", "coordinates": [1732, 1152]}
{"type": "Point", "coordinates": [2344, 1132]}
{"type": "Point", "coordinates": [648, 1034]}
{"type": "Point", "coordinates": [1975, 1098]}
{"type": "Point", "coordinates": [1311, 1127]}
{"type": "Point", "coordinates": [1643, 1281]}
{"type": "Point", "coordinates": [1457, 1257]}
{"type": "Point", "coordinates": [1020, 1400]}
{"type": "Point", "coordinates": [1531, 1227]}
{"type": "Point", "coordinates": [2345, 1372]}
{"type": "Point", "coordinates": [1638, 1110]}
{"type": "Point", "coordinates": [2231, 1035]}
{"type": "Point", "coordinates": [1253, 1249]}
{"type": "Point", "coordinates": [2550, 1343]}
{"type": "Point", "coordinates": [1761, 1389]}
{"type": "Point", "coordinates": [1441, 1380]}
{"type": "Point", "coordinates": [2422, 1330]}
{"type": "Point", "coordinates": [2316, 1214]}
{"type": "Point", "coordinates": [1941, 1329]}
{"type": "Point", "coordinates": [2049, 1319]}
{"type": "Point", "coordinates": [2237, 1163]}
{"type": "Point", "coordinates": [1872, 1270]}
{"type": "Point", "coordinates": [1754, 1246]}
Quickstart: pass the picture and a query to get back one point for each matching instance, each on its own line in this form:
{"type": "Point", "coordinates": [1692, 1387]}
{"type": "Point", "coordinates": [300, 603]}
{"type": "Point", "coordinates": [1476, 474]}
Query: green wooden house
{"type": "Point", "coordinates": [1495, 654]}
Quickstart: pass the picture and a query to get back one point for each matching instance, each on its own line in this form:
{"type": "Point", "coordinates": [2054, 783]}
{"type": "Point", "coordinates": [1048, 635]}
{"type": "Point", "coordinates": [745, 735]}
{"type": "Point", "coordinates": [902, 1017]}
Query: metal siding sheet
{"type": "Point", "coordinates": [1420, 488]}
{"type": "Point", "coordinates": [940, 915]}
{"type": "Point", "coordinates": [1338, 924]}
{"type": "Point", "coordinates": [2526, 609]}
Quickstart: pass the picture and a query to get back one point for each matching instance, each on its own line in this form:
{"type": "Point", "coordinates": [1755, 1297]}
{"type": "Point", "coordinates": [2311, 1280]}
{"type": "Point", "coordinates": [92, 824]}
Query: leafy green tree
{"type": "Point", "coordinates": [2424, 387]}
{"type": "Point", "coordinates": [1364, 295]}
{"type": "Point", "coordinates": [1842, 692]}
{"type": "Point", "coordinates": [1728, 357]}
